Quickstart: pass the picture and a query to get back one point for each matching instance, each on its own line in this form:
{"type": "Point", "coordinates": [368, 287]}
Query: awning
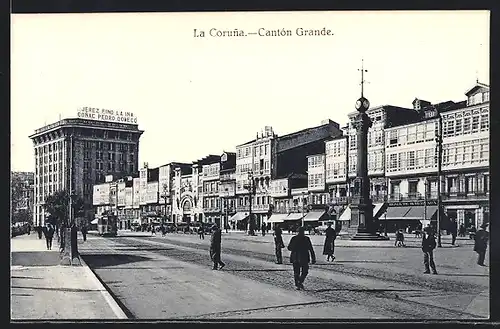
{"type": "Point", "coordinates": [313, 216]}
{"type": "Point", "coordinates": [277, 218]}
{"type": "Point", "coordinates": [94, 221]}
{"type": "Point", "coordinates": [395, 213]}
{"type": "Point", "coordinates": [346, 215]}
{"type": "Point", "coordinates": [377, 209]}
{"type": "Point", "coordinates": [238, 217]}
{"type": "Point", "coordinates": [294, 216]}
{"type": "Point", "coordinates": [417, 212]}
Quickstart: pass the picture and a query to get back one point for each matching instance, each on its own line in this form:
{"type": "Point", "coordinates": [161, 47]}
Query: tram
{"type": "Point", "coordinates": [107, 225]}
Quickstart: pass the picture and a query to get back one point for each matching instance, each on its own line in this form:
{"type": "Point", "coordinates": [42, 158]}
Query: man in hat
{"type": "Point", "coordinates": [428, 246]}
{"type": "Point", "coordinates": [215, 248]}
{"type": "Point", "coordinates": [300, 247]}
{"type": "Point", "coordinates": [481, 243]}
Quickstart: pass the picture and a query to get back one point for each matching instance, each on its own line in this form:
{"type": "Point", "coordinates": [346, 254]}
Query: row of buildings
{"type": "Point", "coordinates": [306, 175]}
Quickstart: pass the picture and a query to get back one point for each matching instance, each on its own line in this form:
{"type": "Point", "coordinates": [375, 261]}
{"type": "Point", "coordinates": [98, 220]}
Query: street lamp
{"type": "Point", "coordinates": [439, 141]}
{"type": "Point", "coordinates": [251, 189]}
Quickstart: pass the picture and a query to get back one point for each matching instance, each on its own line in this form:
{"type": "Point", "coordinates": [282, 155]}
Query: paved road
{"type": "Point", "coordinates": [170, 277]}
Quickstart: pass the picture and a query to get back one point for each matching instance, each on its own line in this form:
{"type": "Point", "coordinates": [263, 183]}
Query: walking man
{"type": "Point", "coordinates": [278, 244]}
{"type": "Point", "coordinates": [201, 231]}
{"type": "Point", "coordinates": [263, 228]}
{"type": "Point", "coordinates": [215, 248]}
{"type": "Point", "coordinates": [481, 243]}
{"type": "Point", "coordinates": [84, 232]}
{"type": "Point", "coordinates": [453, 232]}
{"type": "Point", "coordinates": [329, 245]}
{"type": "Point", "coordinates": [49, 234]}
{"type": "Point", "coordinates": [300, 247]}
{"type": "Point", "coordinates": [428, 246]}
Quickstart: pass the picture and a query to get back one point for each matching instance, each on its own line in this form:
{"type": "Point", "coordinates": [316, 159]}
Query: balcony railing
{"type": "Point", "coordinates": [211, 209]}
{"type": "Point", "coordinates": [255, 207]}
{"type": "Point", "coordinates": [412, 196]}
{"type": "Point", "coordinates": [465, 195]}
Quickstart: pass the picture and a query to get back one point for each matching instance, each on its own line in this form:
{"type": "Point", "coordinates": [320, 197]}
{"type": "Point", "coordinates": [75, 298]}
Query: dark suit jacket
{"type": "Point", "coordinates": [301, 247]}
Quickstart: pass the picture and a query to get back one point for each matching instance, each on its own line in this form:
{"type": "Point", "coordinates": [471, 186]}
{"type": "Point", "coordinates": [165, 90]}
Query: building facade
{"type": "Point", "coordinates": [82, 152]}
{"type": "Point", "coordinates": [22, 196]}
{"type": "Point", "coordinates": [227, 187]}
{"type": "Point", "coordinates": [271, 157]}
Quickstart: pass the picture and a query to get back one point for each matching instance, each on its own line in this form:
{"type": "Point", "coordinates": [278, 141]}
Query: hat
{"type": "Point", "coordinates": [484, 225]}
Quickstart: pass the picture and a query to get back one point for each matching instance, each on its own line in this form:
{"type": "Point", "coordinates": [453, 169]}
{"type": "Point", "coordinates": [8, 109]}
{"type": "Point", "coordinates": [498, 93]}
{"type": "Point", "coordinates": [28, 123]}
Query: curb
{"type": "Point", "coordinates": [116, 306]}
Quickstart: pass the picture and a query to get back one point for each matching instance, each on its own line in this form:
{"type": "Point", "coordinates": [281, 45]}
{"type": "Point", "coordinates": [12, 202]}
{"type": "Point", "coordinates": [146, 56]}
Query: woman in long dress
{"type": "Point", "coordinates": [329, 246]}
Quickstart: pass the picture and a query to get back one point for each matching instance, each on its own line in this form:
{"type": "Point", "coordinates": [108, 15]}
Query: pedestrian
{"type": "Point", "coordinates": [453, 231]}
{"type": "Point", "coordinates": [400, 239]}
{"type": "Point", "coordinates": [153, 231]}
{"type": "Point", "coordinates": [215, 248]}
{"type": "Point", "coordinates": [39, 230]}
{"type": "Point", "coordinates": [428, 246]}
{"type": "Point", "coordinates": [263, 228]}
{"type": "Point", "coordinates": [461, 231]}
{"type": "Point", "coordinates": [329, 245]}
{"type": "Point", "coordinates": [201, 232]}
{"type": "Point", "coordinates": [84, 232]}
{"type": "Point", "coordinates": [49, 234]}
{"type": "Point", "coordinates": [301, 247]}
{"type": "Point", "coordinates": [481, 243]}
{"type": "Point", "coordinates": [278, 244]}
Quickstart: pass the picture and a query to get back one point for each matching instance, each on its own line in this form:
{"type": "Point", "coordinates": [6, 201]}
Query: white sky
{"type": "Point", "coordinates": [200, 96]}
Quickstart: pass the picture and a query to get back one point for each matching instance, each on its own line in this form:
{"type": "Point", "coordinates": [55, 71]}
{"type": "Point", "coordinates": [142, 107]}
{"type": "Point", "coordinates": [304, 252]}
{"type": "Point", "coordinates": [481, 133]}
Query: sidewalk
{"type": "Point", "coordinates": [41, 289]}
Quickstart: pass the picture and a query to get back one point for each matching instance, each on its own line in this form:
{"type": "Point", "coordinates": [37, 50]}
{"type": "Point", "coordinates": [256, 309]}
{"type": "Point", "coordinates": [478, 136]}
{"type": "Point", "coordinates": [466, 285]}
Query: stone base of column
{"type": "Point", "coordinates": [367, 236]}
{"type": "Point", "coordinates": [70, 255]}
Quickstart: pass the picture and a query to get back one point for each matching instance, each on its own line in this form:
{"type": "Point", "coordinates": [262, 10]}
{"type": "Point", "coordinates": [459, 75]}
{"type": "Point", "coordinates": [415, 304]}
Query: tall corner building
{"type": "Point", "coordinates": [84, 151]}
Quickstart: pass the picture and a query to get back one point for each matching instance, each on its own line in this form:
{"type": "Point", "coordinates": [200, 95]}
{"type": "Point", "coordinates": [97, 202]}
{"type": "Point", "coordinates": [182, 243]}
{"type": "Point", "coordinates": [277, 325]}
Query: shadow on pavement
{"type": "Point", "coordinates": [36, 258]}
{"type": "Point", "coordinates": [362, 261]}
{"type": "Point", "coordinates": [139, 248]}
{"type": "Point", "coordinates": [258, 270]}
{"type": "Point", "coordinates": [453, 275]}
{"type": "Point", "coordinates": [105, 260]}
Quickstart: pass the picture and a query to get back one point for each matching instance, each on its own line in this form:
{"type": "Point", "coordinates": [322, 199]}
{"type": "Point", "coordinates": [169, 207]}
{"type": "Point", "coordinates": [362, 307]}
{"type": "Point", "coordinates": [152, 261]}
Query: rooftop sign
{"type": "Point", "coordinates": [93, 113]}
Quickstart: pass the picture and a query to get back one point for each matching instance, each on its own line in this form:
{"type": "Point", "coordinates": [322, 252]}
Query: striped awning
{"type": "Point", "coordinates": [277, 218]}
{"type": "Point", "coordinates": [417, 212]}
{"type": "Point", "coordinates": [294, 216]}
{"type": "Point", "coordinates": [313, 216]}
{"type": "Point", "coordinates": [377, 207]}
{"type": "Point", "coordinates": [346, 215]}
{"type": "Point", "coordinates": [238, 217]}
{"type": "Point", "coordinates": [395, 213]}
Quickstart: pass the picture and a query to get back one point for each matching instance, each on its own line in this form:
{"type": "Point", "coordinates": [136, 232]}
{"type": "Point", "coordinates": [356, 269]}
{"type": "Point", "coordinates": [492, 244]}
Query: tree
{"type": "Point", "coordinates": [57, 206]}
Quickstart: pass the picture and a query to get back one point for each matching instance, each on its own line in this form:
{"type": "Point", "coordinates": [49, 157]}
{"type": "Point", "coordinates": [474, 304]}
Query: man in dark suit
{"type": "Point", "coordinates": [481, 243]}
{"type": "Point", "coordinates": [428, 246]}
{"type": "Point", "coordinates": [300, 247]}
{"type": "Point", "coordinates": [215, 248]}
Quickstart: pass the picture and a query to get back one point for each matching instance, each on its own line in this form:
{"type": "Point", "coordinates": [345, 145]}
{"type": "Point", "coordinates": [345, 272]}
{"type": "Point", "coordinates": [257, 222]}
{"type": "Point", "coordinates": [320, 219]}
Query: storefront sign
{"type": "Point", "coordinates": [93, 113]}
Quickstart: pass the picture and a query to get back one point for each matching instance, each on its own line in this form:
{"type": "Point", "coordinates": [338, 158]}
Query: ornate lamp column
{"type": "Point", "coordinates": [362, 207]}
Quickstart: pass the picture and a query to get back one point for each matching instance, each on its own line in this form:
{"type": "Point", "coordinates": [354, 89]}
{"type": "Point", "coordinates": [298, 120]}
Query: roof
{"type": "Point", "coordinates": [478, 85]}
{"type": "Point", "coordinates": [336, 138]}
{"type": "Point", "coordinates": [294, 134]}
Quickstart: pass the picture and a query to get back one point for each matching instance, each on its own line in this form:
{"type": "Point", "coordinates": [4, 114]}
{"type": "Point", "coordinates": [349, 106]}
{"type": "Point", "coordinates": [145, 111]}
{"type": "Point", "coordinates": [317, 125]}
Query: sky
{"type": "Point", "coordinates": [199, 96]}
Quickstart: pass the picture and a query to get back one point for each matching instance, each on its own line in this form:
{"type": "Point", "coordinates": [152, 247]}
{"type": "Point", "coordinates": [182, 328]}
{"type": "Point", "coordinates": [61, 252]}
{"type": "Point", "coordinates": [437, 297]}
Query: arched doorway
{"type": "Point", "coordinates": [186, 211]}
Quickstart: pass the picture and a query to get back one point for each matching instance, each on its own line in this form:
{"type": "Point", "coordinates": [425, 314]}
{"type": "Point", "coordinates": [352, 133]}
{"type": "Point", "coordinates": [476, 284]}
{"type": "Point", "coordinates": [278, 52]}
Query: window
{"type": "Point", "coordinates": [467, 125]}
{"type": "Point", "coordinates": [393, 161]}
{"type": "Point", "coordinates": [458, 125]}
{"type": "Point", "coordinates": [475, 123]}
{"type": "Point", "coordinates": [484, 122]}
{"type": "Point", "coordinates": [393, 137]}
{"type": "Point", "coordinates": [411, 160]}
{"type": "Point", "coordinates": [352, 142]}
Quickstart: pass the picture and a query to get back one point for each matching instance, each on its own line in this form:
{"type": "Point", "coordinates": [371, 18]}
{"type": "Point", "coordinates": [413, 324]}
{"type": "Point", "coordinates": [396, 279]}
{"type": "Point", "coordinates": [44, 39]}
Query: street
{"type": "Point", "coordinates": [170, 277]}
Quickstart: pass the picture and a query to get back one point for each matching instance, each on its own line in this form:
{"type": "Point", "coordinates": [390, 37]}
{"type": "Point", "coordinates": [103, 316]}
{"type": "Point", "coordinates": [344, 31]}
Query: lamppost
{"type": "Point", "coordinates": [439, 141]}
{"type": "Point", "coordinates": [302, 208]}
{"type": "Point", "coordinates": [251, 190]}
